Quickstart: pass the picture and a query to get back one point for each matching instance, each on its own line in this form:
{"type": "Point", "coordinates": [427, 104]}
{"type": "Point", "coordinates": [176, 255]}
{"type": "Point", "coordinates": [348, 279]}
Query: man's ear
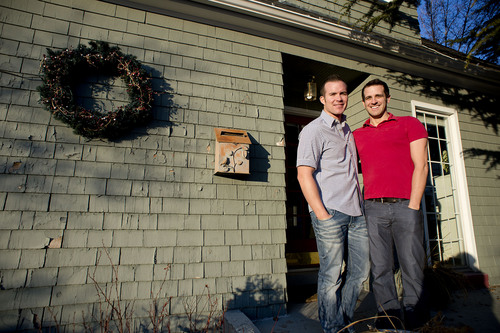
{"type": "Point", "coordinates": [322, 99]}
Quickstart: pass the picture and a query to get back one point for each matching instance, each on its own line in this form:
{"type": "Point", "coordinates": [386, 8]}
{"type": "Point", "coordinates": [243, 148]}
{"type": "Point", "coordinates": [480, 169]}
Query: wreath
{"type": "Point", "coordinates": [62, 70]}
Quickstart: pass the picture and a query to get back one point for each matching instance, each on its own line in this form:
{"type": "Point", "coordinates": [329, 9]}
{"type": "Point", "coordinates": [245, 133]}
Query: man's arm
{"type": "Point", "coordinates": [310, 190]}
{"type": "Point", "coordinates": [418, 151]}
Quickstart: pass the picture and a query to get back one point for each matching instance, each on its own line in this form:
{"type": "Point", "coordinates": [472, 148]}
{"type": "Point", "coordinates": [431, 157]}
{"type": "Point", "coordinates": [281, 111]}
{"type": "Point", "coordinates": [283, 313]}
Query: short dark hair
{"type": "Point", "coordinates": [375, 82]}
{"type": "Point", "coordinates": [329, 78]}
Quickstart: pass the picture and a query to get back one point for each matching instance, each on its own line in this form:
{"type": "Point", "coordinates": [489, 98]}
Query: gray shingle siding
{"type": "Point", "coordinates": [152, 198]}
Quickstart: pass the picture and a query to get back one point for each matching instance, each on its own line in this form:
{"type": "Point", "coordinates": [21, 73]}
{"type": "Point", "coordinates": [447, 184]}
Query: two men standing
{"type": "Point", "coordinates": [394, 162]}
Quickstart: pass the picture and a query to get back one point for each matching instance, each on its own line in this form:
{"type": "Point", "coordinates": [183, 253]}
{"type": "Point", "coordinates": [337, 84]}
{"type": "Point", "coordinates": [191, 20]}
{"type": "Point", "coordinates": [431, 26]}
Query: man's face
{"type": "Point", "coordinates": [335, 98]}
{"type": "Point", "coordinates": [376, 101]}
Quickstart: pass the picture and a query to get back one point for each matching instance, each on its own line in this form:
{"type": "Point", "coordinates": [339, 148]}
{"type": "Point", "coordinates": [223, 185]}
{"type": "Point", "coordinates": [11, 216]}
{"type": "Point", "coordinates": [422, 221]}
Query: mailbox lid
{"type": "Point", "coordinates": [231, 135]}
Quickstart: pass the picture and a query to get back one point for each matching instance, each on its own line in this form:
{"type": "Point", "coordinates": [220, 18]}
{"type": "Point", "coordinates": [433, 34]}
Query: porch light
{"type": "Point", "coordinates": [310, 93]}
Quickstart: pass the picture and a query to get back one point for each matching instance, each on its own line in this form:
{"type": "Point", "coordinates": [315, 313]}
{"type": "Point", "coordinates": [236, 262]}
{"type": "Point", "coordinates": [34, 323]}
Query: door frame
{"type": "Point", "coordinates": [460, 177]}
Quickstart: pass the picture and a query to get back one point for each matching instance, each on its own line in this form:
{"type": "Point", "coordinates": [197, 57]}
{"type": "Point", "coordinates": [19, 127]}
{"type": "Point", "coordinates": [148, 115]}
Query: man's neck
{"type": "Point", "coordinates": [338, 118]}
{"type": "Point", "coordinates": [376, 121]}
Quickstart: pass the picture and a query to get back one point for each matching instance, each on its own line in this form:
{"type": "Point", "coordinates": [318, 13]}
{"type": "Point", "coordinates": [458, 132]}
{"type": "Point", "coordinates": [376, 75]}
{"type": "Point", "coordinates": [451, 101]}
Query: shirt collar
{"type": "Point", "coordinates": [330, 121]}
{"type": "Point", "coordinates": [391, 117]}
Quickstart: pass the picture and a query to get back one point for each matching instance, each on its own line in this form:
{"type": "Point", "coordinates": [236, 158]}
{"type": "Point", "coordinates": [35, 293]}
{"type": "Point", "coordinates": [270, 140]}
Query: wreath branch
{"type": "Point", "coordinates": [61, 71]}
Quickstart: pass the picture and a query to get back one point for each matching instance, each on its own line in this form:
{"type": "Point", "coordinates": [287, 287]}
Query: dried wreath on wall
{"type": "Point", "coordinates": [62, 70]}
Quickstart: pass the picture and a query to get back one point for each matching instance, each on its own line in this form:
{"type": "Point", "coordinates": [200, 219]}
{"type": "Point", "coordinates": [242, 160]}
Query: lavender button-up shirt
{"type": "Point", "coordinates": [327, 145]}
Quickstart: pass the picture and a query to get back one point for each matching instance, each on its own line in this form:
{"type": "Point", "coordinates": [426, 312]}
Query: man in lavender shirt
{"type": "Point", "coordinates": [327, 173]}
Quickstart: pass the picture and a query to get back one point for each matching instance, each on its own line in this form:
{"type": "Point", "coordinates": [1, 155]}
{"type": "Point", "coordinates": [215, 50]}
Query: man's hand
{"type": "Point", "coordinates": [328, 216]}
{"type": "Point", "coordinates": [415, 207]}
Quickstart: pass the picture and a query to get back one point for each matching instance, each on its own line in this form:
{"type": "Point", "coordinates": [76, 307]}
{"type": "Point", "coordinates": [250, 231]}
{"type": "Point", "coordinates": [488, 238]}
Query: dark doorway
{"type": "Point", "coordinates": [301, 253]}
{"type": "Point", "coordinates": [301, 249]}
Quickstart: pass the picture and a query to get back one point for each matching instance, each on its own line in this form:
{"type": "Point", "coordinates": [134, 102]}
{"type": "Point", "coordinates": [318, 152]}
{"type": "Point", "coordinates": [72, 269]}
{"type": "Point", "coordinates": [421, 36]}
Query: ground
{"type": "Point", "coordinates": [468, 311]}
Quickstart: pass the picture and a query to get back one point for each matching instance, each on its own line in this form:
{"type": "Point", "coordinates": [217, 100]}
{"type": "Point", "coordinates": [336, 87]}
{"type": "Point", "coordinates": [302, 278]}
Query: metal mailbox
{"type": "Point", "coordinates": [231, 151]}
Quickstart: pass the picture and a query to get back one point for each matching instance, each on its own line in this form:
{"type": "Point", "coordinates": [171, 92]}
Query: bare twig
{"type": "Point", "coordinates": [158, 315]}
{"type": "Point", "coordinates": [116, 312]}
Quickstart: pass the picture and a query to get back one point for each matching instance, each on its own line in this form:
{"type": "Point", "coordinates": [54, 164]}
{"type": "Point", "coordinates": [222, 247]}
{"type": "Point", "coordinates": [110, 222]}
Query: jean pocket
{"type": "Point", "coordinates": [328, 219]}
{"type": "Point", "coordinates": [332, 214]}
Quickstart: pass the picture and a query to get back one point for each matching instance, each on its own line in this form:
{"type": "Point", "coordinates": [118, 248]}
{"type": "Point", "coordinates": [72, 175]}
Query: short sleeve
{"type": "Point", "coordinates": [415, 129]}
{"type": "Point", "coordinates": [310, 147]}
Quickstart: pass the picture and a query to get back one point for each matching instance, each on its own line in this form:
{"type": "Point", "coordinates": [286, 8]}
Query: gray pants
{"type": "Point", "coordinates": [394, 225]}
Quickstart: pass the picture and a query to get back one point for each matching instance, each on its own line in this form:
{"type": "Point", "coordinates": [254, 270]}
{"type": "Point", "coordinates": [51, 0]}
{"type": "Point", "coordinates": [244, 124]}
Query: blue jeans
{"type": "Point", "coordinates": [334, 236]}
{"type": "Point", "coordinates": [394, 225]}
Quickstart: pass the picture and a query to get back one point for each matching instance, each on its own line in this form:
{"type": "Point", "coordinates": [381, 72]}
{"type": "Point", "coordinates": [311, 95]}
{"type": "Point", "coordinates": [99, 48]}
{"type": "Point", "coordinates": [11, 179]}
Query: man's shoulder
{"type": "Point", "coordinates": [407, 119]}
{"type": "Point", "coordinates": [311, 130]}
{"type": "Point", "coordinates": [411, 123]}
{"type": "Point", "coordinates": [316, 121]}
{"type": "Point", "coordinates": [361, 129]}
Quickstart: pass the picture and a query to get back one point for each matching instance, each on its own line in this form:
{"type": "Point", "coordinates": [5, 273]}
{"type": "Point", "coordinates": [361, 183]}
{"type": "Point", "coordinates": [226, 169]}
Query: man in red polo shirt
{"type": "Point", "coordinates": [393, 153]}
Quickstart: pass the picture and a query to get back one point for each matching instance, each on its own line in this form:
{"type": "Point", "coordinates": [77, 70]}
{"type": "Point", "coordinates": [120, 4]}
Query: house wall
{"type": "Point", "coordinates": [483, 177]}
{"type": "Point", "coordinates": [151, 199]}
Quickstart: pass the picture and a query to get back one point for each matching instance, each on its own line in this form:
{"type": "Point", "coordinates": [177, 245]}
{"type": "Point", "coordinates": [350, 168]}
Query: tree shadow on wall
{"type": "Point", "coordinates": [491, 157]}
{"type": "Point", "coordinates": [481, 106]}
{"type": "Point", "coordinates": [258, 297]}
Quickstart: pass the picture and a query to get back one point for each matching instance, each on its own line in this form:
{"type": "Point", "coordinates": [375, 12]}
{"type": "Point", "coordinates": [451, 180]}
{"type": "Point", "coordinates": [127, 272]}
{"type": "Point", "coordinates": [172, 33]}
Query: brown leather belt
{"type": "Point", "coordinates": [387, 200]}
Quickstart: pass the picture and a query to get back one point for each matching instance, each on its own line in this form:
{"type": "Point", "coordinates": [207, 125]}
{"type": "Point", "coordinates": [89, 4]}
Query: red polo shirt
{"type": "Point", "coordinates": [385, 156]}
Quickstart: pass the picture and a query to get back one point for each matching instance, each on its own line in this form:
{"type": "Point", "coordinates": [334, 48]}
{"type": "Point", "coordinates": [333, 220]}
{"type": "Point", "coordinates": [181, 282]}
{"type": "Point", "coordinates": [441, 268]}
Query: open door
{"type": "Point", "coordinates": [301, 253]}
{"type": "Point", "coordinates": [300, 248]}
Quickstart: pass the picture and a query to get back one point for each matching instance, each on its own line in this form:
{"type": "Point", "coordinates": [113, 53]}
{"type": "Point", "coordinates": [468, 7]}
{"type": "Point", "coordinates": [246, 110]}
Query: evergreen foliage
{"type": "Point", "coordinates": [485, 36]}
{"type": "Point", "coordinates": [62, 70]}
{"type": "Point", "coordinates": [380, 11]}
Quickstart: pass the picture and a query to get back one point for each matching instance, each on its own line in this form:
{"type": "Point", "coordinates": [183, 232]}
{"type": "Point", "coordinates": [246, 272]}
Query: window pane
{"type": "Point", "coordinates": [431, 129]}
{"type": "Point", "coordinates": [434, 150]}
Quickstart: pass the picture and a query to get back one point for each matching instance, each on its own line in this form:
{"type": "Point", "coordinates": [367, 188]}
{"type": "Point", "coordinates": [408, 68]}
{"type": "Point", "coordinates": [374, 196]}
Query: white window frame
{"type": "Point", "coordinates": [460, 177]}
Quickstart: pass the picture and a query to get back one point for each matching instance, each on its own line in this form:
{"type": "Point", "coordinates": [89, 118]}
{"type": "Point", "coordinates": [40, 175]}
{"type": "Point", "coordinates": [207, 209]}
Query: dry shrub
{"type": "Point", "coordinates": [440, 283]}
